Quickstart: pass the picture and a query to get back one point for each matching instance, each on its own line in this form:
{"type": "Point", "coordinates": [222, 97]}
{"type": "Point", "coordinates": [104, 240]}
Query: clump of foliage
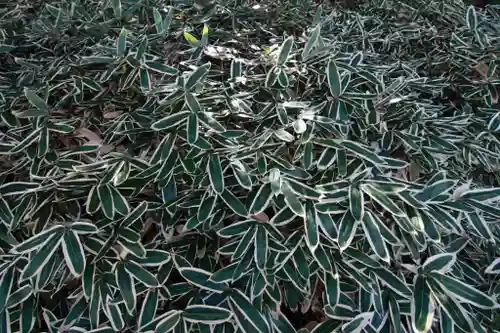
{"type": "Point", "coordinates": [227, 166]}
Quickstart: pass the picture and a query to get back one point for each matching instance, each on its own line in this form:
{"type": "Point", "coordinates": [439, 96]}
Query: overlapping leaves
{"type": "Point", "coordinates": [154, 178]}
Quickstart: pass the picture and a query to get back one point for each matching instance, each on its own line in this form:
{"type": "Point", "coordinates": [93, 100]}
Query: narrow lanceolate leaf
{"type": "Point", "coordinates": [471, 19]}
{"type": "Point", "coordinates": [356, 203]}
{"type": "Point", "coordinates": [215, 175]}
{"type": "Point", "coordinates": [395, 283]}
{"type": "Point", "coordinates": [358, 323]}
{"type": "Point", "coordinates": [374, 236]}
{"type": "Point", "coordinates": [311, 226]}
{"type": "Point", "coordinates": [441, 263]}
{"type": "Point", "coordinates": [37, 241]}
{"type": "Point", "coordinates": [73, 253]}
{"type": "Point", "coordinates": [36, 101]}
{"type": "Point", "coordinates": [347, 230]}
{"type": "Point", "coordinates": [332, 288]}
{"type": "Point", "coordinates": [136, 214]}
{"type": "Point", "coordinates": [201, 279]}
{"type": "Point", "coordinates": [158, 20]}
{"type": "Point", "coordinates": [479, 224]}
{"type": "Point", "coordinates": [451, 307]}
{"type": "Point", "coordinates": [284, 51]}
{"type": "Point", "coordinates": [141, 274]}
{"type": "Point", "coordinates": [361, 151]}
{"type": "Point", "coordinates": [292, 201]}
{"type": "Point", "coordinates": [494, 267]}
{"type": "Point", "coordinates": [333, 77]}
{"type": "Point", "coordinates": [192, 128]}
{"type": "Point", "coordinates": [107, 201]}
{"type": "Point", "coordinates": [197, 76]}
{"type": "Point", "coordinates": [206, 314]}
{"type": "Point", "coordinates": [169, 322]}
{"type": "Point", "coordinates": [149, 307]}
{"type": "Point", "coordinates": [483, 194]}
{"type": "Point", "coordinates": [384, 200]}
{"type": "Point", "coordinates": [463, 291]}
{"type": "Point", "coordinates": [170, 121]}
{"type": "Point", "coordinates": [435, 190]}
{"type": "Point", "coordinates": [39, 260]}
{"type": "Point", "coordinates": [262, 199]}
{"type": "Point", "coordinates": [121, 43]}
{"type": "Point", "coordinates": [248, 310]}
{"type": "Point", "coordinates": [126, 286]}
{"type": "Point", "coordinates": [234, 203]}
{"type": "Point", "coordinates": [422, 306]}
{"type": "Point", "coordinates": [6, 284]}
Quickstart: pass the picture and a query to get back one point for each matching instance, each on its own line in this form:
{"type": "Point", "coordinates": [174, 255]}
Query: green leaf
{"type": "Point", "coordinates": [463, 291]}
{"type": "Point", "coordinates": [254, 317]}
{"type": "Point", "coordinates": [361, 151]}
{"type": "Point", "coordinates": [126, 286]}
{"type": "Point", "coordinates": [471, 19]}
{"type": "Point", "coordinates": [392, 281]}
{"type": "Point", "coordinates": [292, 201]}
{"type": "Point", "coordinates": [422, 306]}
{"type": "Point", "coordinates": [284, 51]}
{"type": "Point", "coordinates": [494, 267]}
{"type": "Point", "coordinates": [333, 77]}
{"type": "Point", "coordinates": [234, 203]}
{"type": "Point", "coordinates": [261, 248]}
{"type": "Point", "coordinates": [357, 324]}
{"type": "Point", "coordinates": [158, 21]}
{"type": "Point", "coordinates": [149, 307]}
{"type": "Point", "coordinates": [192, 128]}
{"type": "Point", "coordinates": [480, 225]}
{"type": "Point", "coordinates": [435, 190]}
{"type": "Point", "coordinates": [161, 68]}
{"type": "Point", "coordinates": [311, 226]}
{"type": "Point", "coordinates": [37, 241]}
{"type": "Point", "coordinates": [37, 102]}
{"type": "Point", "coordinates": [121, 44]}
{"type": "Point", "coordinates": [73, 253]}
{"type": "Point", "coordinates": [43, 255]}
{"type": "Point", "coordinates": [206, 314]}
{"type": "Point", "coordinates": [106, 198]}
{"type": "Point", "coordinates": [117, 8]}
{"type": "Point", "coordinates": [441, 263]}
{"type": "Point", "coordinates": [483, 194]}
{"type": "Point", "coordinates": [384, 200]}
{"type": "Point", "coordinates": [374, 237]}
{"type": "Point", "coordinates": [215, 174]}
{"type": "Point", "coordinates": [356, 203]}
{"type": "Point", "coordinates": [262, 199]}
{"type": "Point", "coordinates": [6, 284]}
{"type": "Point", "coordinates": [201, 279]}
{"type": "Point", "coordinates": [141, 274]}
{"type": "Point", "coordinates": [451, 307]}
{"type": "Point", "coordinates": [170, 121]}
{"type": "Point", "coordinates": [135, 215]}
{"type": "Point", "coordinates": [197, 76]}
{"type": "Point", "coordinates": [169, 321]}
{"type": "Point", "coordinates": [347, 230]}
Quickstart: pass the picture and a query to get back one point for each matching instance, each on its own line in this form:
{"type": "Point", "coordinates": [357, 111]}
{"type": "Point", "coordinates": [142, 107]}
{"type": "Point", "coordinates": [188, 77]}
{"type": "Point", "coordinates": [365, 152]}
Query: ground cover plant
{"type": "Point", "coordinates": [235, 166]}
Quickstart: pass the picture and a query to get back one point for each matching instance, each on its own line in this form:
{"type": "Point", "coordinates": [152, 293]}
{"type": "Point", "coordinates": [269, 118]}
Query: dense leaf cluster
{"type": "Point", "coordinates": [229, 166]}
